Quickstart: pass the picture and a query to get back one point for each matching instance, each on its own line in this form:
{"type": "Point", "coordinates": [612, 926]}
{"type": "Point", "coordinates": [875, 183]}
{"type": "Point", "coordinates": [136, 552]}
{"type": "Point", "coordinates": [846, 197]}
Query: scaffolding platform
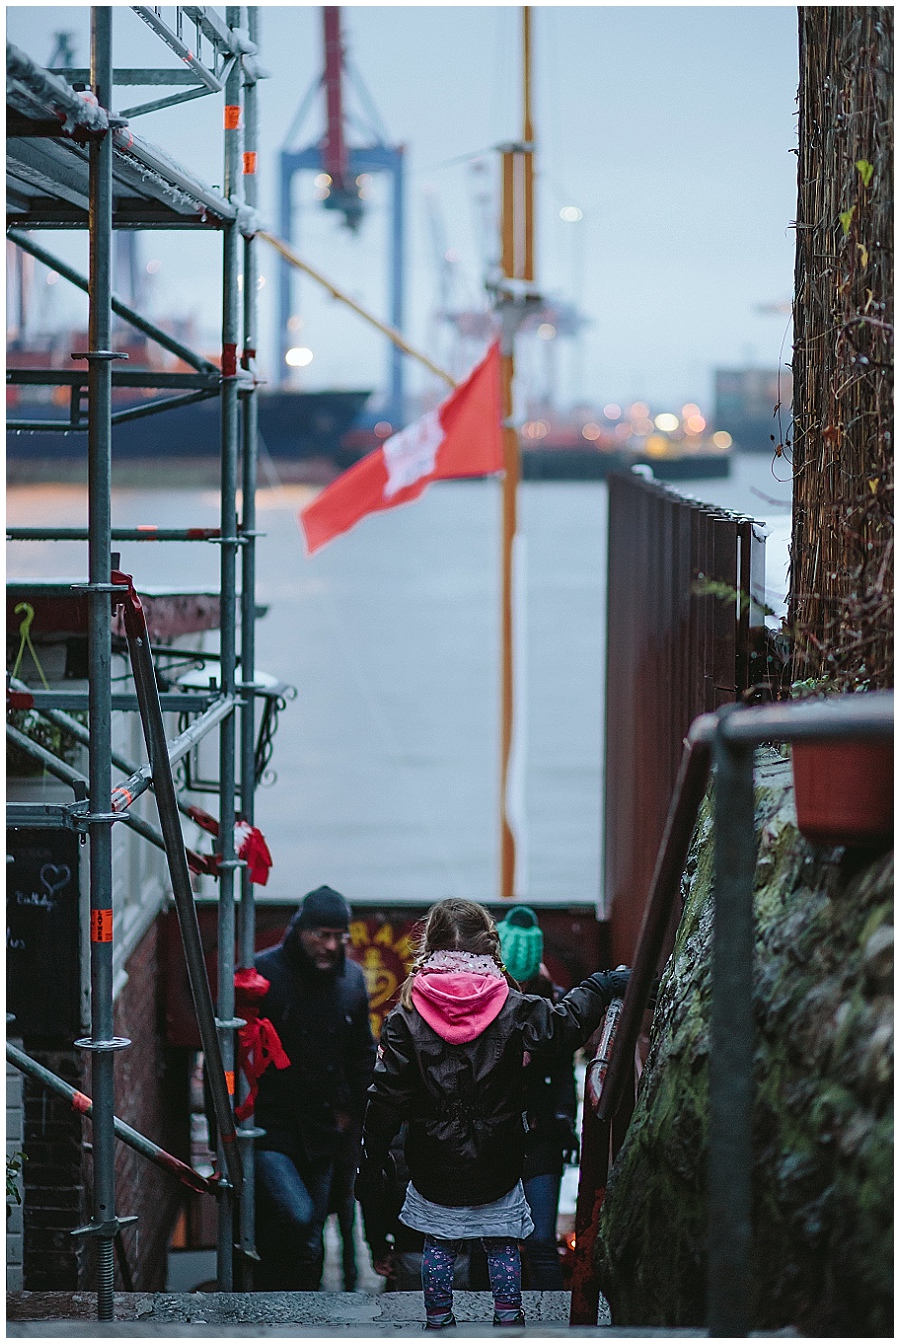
{"type": "Point", "coordinates": [49, 129]}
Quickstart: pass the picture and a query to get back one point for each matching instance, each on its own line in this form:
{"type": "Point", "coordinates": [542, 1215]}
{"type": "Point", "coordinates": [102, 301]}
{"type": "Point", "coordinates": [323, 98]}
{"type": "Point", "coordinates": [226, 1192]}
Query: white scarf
{"type": "Point", "coordinates": [448, 960]}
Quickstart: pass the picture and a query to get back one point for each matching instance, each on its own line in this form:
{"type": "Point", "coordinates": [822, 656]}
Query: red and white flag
{"type": "Point", "coordinates": [462, 437]}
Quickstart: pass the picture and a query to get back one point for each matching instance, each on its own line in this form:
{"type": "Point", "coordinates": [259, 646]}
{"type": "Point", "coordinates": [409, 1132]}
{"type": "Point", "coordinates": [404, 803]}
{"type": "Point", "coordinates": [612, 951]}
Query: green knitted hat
{"type": "Point", "coordinates": [521, 942]}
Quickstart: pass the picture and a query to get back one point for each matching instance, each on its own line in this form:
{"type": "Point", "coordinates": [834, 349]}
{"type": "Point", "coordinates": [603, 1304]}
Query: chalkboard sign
{"type": "Point", "coordinates": [43, 955]}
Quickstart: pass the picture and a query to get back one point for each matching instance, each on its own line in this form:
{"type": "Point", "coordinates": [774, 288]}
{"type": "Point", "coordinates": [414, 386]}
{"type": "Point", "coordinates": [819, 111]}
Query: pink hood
{"type": "Point", "coordinates": [458, 1005]}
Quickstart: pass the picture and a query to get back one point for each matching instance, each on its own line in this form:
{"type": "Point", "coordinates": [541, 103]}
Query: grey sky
{"type": "Point", "coordinates": [670, 127]}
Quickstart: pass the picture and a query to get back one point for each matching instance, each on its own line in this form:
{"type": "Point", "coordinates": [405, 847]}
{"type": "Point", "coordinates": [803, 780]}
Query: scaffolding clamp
{"type": "Point", "coordinates": [109, 1228]}
{"type": "Point", "coordinates": [83, 821]}
{"type": "Point", "coordinates": [98, 354]}
{"type": "Point", "coordinates": [240, 540]}
{"type": "Point", "coordinates": [102, 1047]}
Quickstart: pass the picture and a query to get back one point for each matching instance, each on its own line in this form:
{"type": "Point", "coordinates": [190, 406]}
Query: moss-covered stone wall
{"type": "Point", "coordinates": [823, 1117]}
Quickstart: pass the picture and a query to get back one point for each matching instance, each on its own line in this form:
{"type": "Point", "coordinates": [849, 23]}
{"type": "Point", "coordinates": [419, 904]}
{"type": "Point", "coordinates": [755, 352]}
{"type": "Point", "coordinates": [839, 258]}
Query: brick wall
{"type": "Point", "coordinates": [15, 1131]}
{"type": "Point", "coordinates": [151, 1096]}
{"type": "Point", "coordinates": [55, 1199]}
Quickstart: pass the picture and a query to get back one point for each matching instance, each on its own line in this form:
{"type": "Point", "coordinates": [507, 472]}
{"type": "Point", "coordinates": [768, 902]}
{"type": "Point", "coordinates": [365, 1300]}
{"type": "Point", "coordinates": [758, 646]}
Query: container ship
{"type": "Point", "coordinates": [295, 427]}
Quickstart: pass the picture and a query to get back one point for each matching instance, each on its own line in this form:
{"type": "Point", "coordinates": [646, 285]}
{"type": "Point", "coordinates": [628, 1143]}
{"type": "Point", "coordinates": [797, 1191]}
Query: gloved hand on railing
{"type": "Point", "coordinates": [612, 984]}
{"type": "Point", "coordinates": [618, 981]}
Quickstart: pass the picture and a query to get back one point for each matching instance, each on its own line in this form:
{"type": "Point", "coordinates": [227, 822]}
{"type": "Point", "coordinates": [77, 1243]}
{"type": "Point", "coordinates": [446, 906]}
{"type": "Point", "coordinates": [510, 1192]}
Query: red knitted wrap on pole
{"type": "Point", "coordinates": [258, 1042]}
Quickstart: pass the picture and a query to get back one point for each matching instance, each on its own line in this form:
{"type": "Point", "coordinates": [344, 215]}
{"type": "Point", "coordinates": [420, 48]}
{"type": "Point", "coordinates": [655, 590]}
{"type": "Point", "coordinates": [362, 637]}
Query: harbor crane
{"type": "Point", "coordinates": [341, 174]}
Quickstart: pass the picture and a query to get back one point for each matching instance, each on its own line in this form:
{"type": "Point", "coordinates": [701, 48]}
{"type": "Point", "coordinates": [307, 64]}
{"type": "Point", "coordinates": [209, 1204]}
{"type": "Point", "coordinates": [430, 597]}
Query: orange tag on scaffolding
{"type": "Point", "coordinates": [101, 926]}
{"type": "Point", "coordinates": [232, 116]}
{"type": "Point", "coordinates": [229, 1081]}
{"type": "Point", "coordinates": [249, 162]}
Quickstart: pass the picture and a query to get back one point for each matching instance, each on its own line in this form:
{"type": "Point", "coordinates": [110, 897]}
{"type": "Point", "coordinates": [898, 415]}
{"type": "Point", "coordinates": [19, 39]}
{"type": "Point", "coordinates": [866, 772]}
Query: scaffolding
{"type": "Point", "coordinates": [73, 163]}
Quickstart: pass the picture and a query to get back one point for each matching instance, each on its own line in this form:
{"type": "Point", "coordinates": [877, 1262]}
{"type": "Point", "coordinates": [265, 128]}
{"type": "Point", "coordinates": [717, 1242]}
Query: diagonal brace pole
{"type": "Point", "coordinates": [79, 784]}
{"type": "Point", "coordinates": [164, 788]}
{"type": "Point", "coordinates": [27, 244]}
{"type": "Point", "coordinates": [139, 775]}
{"type": "Point", "coordinates": [83, 1104]}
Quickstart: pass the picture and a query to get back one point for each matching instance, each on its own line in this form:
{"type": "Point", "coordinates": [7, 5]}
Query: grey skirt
{"type": "Point", "coordinates": [508, 1216]}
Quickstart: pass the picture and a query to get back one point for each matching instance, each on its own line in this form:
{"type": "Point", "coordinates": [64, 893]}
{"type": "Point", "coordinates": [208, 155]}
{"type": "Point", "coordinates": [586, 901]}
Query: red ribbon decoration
{"type": "Point", "coordinates": [258, 1041]}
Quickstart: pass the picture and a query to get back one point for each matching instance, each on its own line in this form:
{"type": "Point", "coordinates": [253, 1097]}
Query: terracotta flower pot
{"type": "Point", "coordinates": [844, 791]}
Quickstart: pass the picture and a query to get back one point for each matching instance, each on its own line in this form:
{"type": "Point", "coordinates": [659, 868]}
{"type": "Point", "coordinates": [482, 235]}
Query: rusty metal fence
{"type": "Point", "coordinates": [678, 645]}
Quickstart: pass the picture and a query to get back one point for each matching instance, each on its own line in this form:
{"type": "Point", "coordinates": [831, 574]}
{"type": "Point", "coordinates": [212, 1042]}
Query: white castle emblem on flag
{"type": "Point", "coordinates": [410, 454]}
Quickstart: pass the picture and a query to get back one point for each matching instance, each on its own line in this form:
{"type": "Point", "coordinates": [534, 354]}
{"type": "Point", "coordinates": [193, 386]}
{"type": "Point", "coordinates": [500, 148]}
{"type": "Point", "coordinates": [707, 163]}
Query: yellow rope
{"type": "Point", "coordinates": [391, 332]}
{"type": "Point", "coordinates": [25, 642]}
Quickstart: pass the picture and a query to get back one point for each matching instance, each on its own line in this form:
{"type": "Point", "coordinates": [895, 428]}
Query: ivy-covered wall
{"type": "Point", "coordinates": [823, 1117]}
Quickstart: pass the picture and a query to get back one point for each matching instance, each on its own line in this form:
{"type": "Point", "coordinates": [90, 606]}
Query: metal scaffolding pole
{"type": "Point", "coordinates": [227, 754]}
{"type": "Point", "coordinates": [250, 408]}
{"type": "Point", "coordinates": [102, 1043]}
{"type": "Point", "coordinates": [95, 807]}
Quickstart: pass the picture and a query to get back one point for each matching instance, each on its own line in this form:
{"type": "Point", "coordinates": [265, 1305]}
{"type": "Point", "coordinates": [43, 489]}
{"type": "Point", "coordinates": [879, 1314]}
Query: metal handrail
{"type": "Point", "coordinates": [727, 739]}
{"type": "Point", "coordinates": [738, 732]}
{"type": "Point", "coordinates": [664, 888]}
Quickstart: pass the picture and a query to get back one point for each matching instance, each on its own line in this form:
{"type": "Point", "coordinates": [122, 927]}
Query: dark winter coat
{"type": "Point", "coordinates": [464, 1103]}
{"type": "Point", "coordinates": [550, 1106]}
{"type": "Point", "coordinates": [322, 1019]}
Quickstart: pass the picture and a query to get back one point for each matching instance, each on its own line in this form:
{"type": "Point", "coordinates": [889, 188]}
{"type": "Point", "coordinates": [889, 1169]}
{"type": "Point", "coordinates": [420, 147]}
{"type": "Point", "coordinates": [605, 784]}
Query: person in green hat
{"type": "Point", "coordinates": [550, 1090]}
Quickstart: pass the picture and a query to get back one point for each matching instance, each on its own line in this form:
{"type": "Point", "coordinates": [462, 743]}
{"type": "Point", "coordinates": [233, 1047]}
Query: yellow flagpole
{"type": "Point", "coordinates": [517, 262]}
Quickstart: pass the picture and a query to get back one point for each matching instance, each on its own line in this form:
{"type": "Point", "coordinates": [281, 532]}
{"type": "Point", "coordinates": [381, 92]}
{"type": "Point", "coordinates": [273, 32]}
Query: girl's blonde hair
{"type": "Point", "coordinates": [455, 925]}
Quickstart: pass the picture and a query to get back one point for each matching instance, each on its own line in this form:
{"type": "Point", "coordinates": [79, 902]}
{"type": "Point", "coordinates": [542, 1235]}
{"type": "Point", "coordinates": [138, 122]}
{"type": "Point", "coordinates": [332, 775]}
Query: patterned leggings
{"type": "Point", "coordinates": [504, 1269]}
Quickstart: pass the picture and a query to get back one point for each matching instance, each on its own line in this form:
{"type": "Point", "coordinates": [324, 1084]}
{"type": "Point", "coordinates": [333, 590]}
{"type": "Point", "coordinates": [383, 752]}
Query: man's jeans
{"type": "Point", "coordinates": [291, 1209]}
{"type": "Point", "coordinates": [541, 1255]}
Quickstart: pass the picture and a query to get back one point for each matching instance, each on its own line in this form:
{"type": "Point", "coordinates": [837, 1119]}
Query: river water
{"type": "Point", "coordinates": [388, 760]}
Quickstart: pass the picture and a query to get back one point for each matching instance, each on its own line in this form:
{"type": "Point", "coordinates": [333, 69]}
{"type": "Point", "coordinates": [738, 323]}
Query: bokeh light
{"type": "Point", "coordinates": [298, 356]}
{"type": "Point", "coordinates": [656, 445]}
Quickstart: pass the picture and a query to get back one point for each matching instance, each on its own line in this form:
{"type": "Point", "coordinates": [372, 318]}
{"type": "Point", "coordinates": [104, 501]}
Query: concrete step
{"type": "Point", "coordinates": [259, 1315]}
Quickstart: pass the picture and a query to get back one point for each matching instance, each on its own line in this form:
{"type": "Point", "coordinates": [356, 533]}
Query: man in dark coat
{"type": "Point", "coordinates": [318, 1004]}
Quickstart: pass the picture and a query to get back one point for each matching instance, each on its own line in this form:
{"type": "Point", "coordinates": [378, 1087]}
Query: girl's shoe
{"type": "Point", "coordinates": [517, 1320]}
{"type": "Point", "coordinates": [446, 1324]}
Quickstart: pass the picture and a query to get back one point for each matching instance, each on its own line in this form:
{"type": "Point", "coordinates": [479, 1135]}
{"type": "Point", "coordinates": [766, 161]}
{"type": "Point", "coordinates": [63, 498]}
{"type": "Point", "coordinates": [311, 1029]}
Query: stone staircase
{"type": "Point", "coordinates": [309, 1315]}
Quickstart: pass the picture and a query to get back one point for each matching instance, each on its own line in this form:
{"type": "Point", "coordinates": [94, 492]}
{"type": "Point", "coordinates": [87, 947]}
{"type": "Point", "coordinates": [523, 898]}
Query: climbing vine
{"type": "Point", "coordinates": [842, 545]}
